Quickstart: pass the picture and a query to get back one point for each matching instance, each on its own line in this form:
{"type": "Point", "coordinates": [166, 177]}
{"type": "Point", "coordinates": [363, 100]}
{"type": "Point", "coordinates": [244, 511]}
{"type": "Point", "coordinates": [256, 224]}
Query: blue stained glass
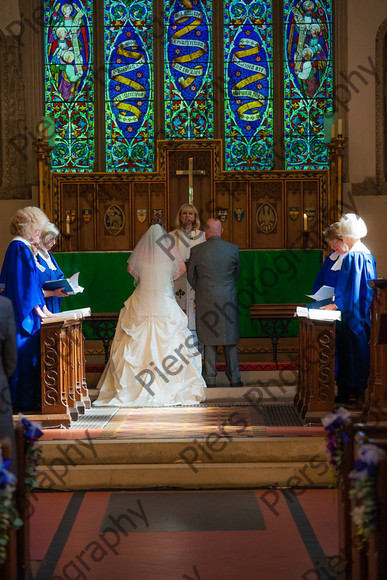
{"type": "Point", "coordinates": [129, 85]}
{"type": "Point", "coordinates": [248, 85]}
{"type": "Point", "coordinates": [188, 69]}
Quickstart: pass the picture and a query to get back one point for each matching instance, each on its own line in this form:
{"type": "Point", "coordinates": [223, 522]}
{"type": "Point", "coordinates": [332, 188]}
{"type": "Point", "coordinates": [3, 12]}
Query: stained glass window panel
{"type": "Point", "coordinates": [308, 82]}
{"type": "Point", "coordinates": [69, 83]}
{"type": "Point", "coordinates": [129, 98]}
{"type": "Point", "coordinates": [248, 74]}
{"type": "Point", "coordinates": [188, 65]}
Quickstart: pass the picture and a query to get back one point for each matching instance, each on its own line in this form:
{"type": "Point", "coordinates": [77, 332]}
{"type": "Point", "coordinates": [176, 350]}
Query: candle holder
{"type": "Point", "coordinates": [305, 238]}
{"type": "Point", "coordinates": [68, 238]}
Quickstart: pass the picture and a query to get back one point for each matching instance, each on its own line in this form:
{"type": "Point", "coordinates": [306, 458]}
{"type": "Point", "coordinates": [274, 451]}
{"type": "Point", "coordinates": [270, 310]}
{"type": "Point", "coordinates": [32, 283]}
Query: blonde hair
{"type": "Point", "coordinates": [26, 221]}
{"type": "Point", "coordinates": [196, 223]}
{"type": "Point", "coordinates": [333, 232]}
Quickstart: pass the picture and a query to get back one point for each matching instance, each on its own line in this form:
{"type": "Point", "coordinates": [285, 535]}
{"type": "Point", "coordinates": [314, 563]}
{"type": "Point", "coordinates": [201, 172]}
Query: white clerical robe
{"type": "Point", "coordinates": [184, 294]}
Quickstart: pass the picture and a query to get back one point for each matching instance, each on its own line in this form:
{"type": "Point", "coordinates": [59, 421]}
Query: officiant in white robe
{"type": "Point", "coordinates": [187, 235]}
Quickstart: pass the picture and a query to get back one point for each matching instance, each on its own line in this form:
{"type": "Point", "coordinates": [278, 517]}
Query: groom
{"type": "Point", "coordinates": [213, 270]}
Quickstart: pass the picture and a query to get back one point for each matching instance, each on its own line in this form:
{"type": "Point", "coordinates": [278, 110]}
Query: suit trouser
{"type": "Point", "coordinates": [232, 363]}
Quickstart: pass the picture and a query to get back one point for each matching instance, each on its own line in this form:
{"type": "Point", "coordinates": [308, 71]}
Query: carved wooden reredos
{"type": "Point", "coordinates": [259, 209]}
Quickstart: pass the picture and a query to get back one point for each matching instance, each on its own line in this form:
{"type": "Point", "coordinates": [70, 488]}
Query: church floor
{"type": "Point", "coordinates": [196, 535]}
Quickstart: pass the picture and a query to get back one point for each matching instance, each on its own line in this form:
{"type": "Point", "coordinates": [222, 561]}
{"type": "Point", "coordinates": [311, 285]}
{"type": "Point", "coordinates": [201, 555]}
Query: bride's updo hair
{"type": "Point", "coordinates": [155, 220]}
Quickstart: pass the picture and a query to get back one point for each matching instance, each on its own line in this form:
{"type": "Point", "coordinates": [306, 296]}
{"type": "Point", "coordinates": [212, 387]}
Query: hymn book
{"type": "Point", "coordinates": [69, 285]}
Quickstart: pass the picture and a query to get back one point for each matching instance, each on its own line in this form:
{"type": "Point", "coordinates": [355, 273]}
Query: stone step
{"type": "Point", "coordinates": [207, 462]}
{"type": "Point", "coordinates": [313, 473]}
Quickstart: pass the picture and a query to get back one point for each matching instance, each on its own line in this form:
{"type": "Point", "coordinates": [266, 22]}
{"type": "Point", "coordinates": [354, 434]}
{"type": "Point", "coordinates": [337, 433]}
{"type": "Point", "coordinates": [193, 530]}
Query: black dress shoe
{"type": "Point", "coordinates": [240, 384]}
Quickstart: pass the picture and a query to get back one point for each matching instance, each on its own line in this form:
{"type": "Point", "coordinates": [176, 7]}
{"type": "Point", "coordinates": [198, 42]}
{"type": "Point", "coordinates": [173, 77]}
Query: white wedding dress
{"type": "Point", "coordinates": [153, 360]}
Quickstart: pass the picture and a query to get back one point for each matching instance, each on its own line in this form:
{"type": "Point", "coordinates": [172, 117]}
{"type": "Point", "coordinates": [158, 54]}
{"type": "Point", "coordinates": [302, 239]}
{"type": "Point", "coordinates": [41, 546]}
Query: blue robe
{"type": "Point", "coordinates": [20, 276]}
{"type": "Point", "coordinates": [53, 303]}
{"type": "Point", "coordinates": [326, 276]}
{"type": "Point", "coordinates": [353, 297]}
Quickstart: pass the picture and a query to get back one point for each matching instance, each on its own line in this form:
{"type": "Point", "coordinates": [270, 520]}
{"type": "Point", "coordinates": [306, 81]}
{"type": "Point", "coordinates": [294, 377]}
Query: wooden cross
{"type": "Point", "coordinates": [190, 172]}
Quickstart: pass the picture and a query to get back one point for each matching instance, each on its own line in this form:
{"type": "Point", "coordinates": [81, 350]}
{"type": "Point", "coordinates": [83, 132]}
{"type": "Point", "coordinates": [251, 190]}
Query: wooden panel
{"type": "Point", "coordinates": [240, 214]}
{"type": "Point", "coordinates": [87, 217]}
{"type": "Point", "coordinates": [267, 220]}
{"type": "Point", "coordinates": [294, 214]}
{"type": "Point", "coordinates": [310, 190]}
{"type": "Point", "coordinates": [223, 207]}
{"type": "Point", "coordinates": [69, 205]}
{"type": "Point", "coordinates": [140, 204]}
{"type": "Point", "coordinates": [157, 200]}
{"type": "Point", "coordinates": [113, 216]}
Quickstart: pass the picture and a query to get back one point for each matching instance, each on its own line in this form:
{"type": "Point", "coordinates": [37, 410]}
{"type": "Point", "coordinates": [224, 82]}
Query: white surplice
{"type": "Point", "coordinates": [153, 360]}
{"type": "Point", "coordinates": [184, 293]}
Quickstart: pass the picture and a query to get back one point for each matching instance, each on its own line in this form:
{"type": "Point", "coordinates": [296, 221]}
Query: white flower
{"type": "Point", "coordinates": [370, 454]}
{"type": "Point", "coordinates": [332, 417]}
{"type": "Point", "coordinates": [355, 474]}
{"type": "Point", "coordinates": [358, 515]}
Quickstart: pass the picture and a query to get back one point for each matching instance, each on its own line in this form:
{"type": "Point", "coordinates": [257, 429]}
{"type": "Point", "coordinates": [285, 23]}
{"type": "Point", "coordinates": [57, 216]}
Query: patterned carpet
{"type": "Point", "coordinates": [171, 423]}
{"type": "Point", "coordinates": [174, 422]}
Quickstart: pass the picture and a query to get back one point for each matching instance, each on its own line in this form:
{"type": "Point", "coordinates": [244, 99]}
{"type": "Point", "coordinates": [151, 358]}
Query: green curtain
{"type": "Point", "coordinates": [267, 277]}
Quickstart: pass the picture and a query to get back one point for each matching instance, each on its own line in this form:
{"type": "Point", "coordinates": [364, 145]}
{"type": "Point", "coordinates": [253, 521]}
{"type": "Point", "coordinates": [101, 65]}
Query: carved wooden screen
{"type": "Point", "coordinates": [259, 210]}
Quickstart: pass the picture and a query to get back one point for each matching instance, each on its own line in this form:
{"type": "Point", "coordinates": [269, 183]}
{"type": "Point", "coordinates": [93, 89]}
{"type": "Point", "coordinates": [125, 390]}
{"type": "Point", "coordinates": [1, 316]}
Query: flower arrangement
{"type": "Point", "coordinates": [363, 494]}
{"type": "Point", "coordinates": [8, 514]}
{"type": "Point", "coordinates": [33, 451]}
{"type": "Point", "coordinates": [334, 426]}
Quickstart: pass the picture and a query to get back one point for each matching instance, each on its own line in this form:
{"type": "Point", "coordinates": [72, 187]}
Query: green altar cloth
{"type": "Point", "coordinates": [267, 277]}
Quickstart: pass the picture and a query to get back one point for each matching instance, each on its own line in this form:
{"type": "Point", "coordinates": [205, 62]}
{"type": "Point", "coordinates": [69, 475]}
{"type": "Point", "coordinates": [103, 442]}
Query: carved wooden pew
{"type": "Point", "coordinates": [375, 406]}
{"type": "Point", "coordinates": [22, 506]}
{"type": "Point", "coordinates": [355, 562]}
{"type": "Point", "coordinates": [8, 570]}
{"type": "Point", "coordinates": [18, 564]}
{"type": "Point", "coordinates": [64, 387]}
{"type": "Point", "coordinates": [377, 546]}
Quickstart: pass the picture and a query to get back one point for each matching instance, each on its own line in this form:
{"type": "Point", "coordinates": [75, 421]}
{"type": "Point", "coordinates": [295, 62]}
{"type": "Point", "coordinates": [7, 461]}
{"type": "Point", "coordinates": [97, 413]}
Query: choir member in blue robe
{"type": "Point", "coordinates": [353, 297]}
{"type": "Point", "coordinates": [327, 276]}
{"type": "Point", "coordinates": [48, 268]}
{"type": "Point", "coordinates": [20, 276]}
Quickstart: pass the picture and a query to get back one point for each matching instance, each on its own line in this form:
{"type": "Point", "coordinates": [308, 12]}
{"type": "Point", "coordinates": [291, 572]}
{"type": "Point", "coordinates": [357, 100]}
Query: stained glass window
{"type": "Point", "coordinates": [186, 83]}
{"type": "Point", "coordinates": [248, 66]}
{"type": "Point", "coordinates": [69, 90]}
{"type": "Point", "coordinates": [188, 64]}
{"type": "Point", "coordinates": [129, 85]}
{"type": "Point", "coordinates": [307, 81]}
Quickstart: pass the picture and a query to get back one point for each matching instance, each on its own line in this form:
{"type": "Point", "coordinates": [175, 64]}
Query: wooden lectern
{"type": "Point", "coordinates": [315, 395]}
{"type": "Point", "coordinates": [63, 375]}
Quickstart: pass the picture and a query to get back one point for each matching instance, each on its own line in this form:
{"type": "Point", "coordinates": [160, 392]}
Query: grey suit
{"type": "Point", "coordinates": [8, 357]}
{"type": "Point", "coordinates": [213, 270]}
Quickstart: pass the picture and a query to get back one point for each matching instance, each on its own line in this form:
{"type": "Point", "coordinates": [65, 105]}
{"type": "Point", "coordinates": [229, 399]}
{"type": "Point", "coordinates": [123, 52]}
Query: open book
{"type": "Point", "coordinates": [323, 296]}
{"type": "Point", "coordinates": [69, 285]}
{"type": "Point", "coordinates": [316, 314]}
{"type": "Point", "coordinates": [77, 313]}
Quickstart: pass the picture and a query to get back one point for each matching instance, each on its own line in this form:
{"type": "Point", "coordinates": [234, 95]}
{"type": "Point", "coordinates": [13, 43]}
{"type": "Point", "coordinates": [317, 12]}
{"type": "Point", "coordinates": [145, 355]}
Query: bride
{"type": "Point", "coordinates": [153, 359]}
